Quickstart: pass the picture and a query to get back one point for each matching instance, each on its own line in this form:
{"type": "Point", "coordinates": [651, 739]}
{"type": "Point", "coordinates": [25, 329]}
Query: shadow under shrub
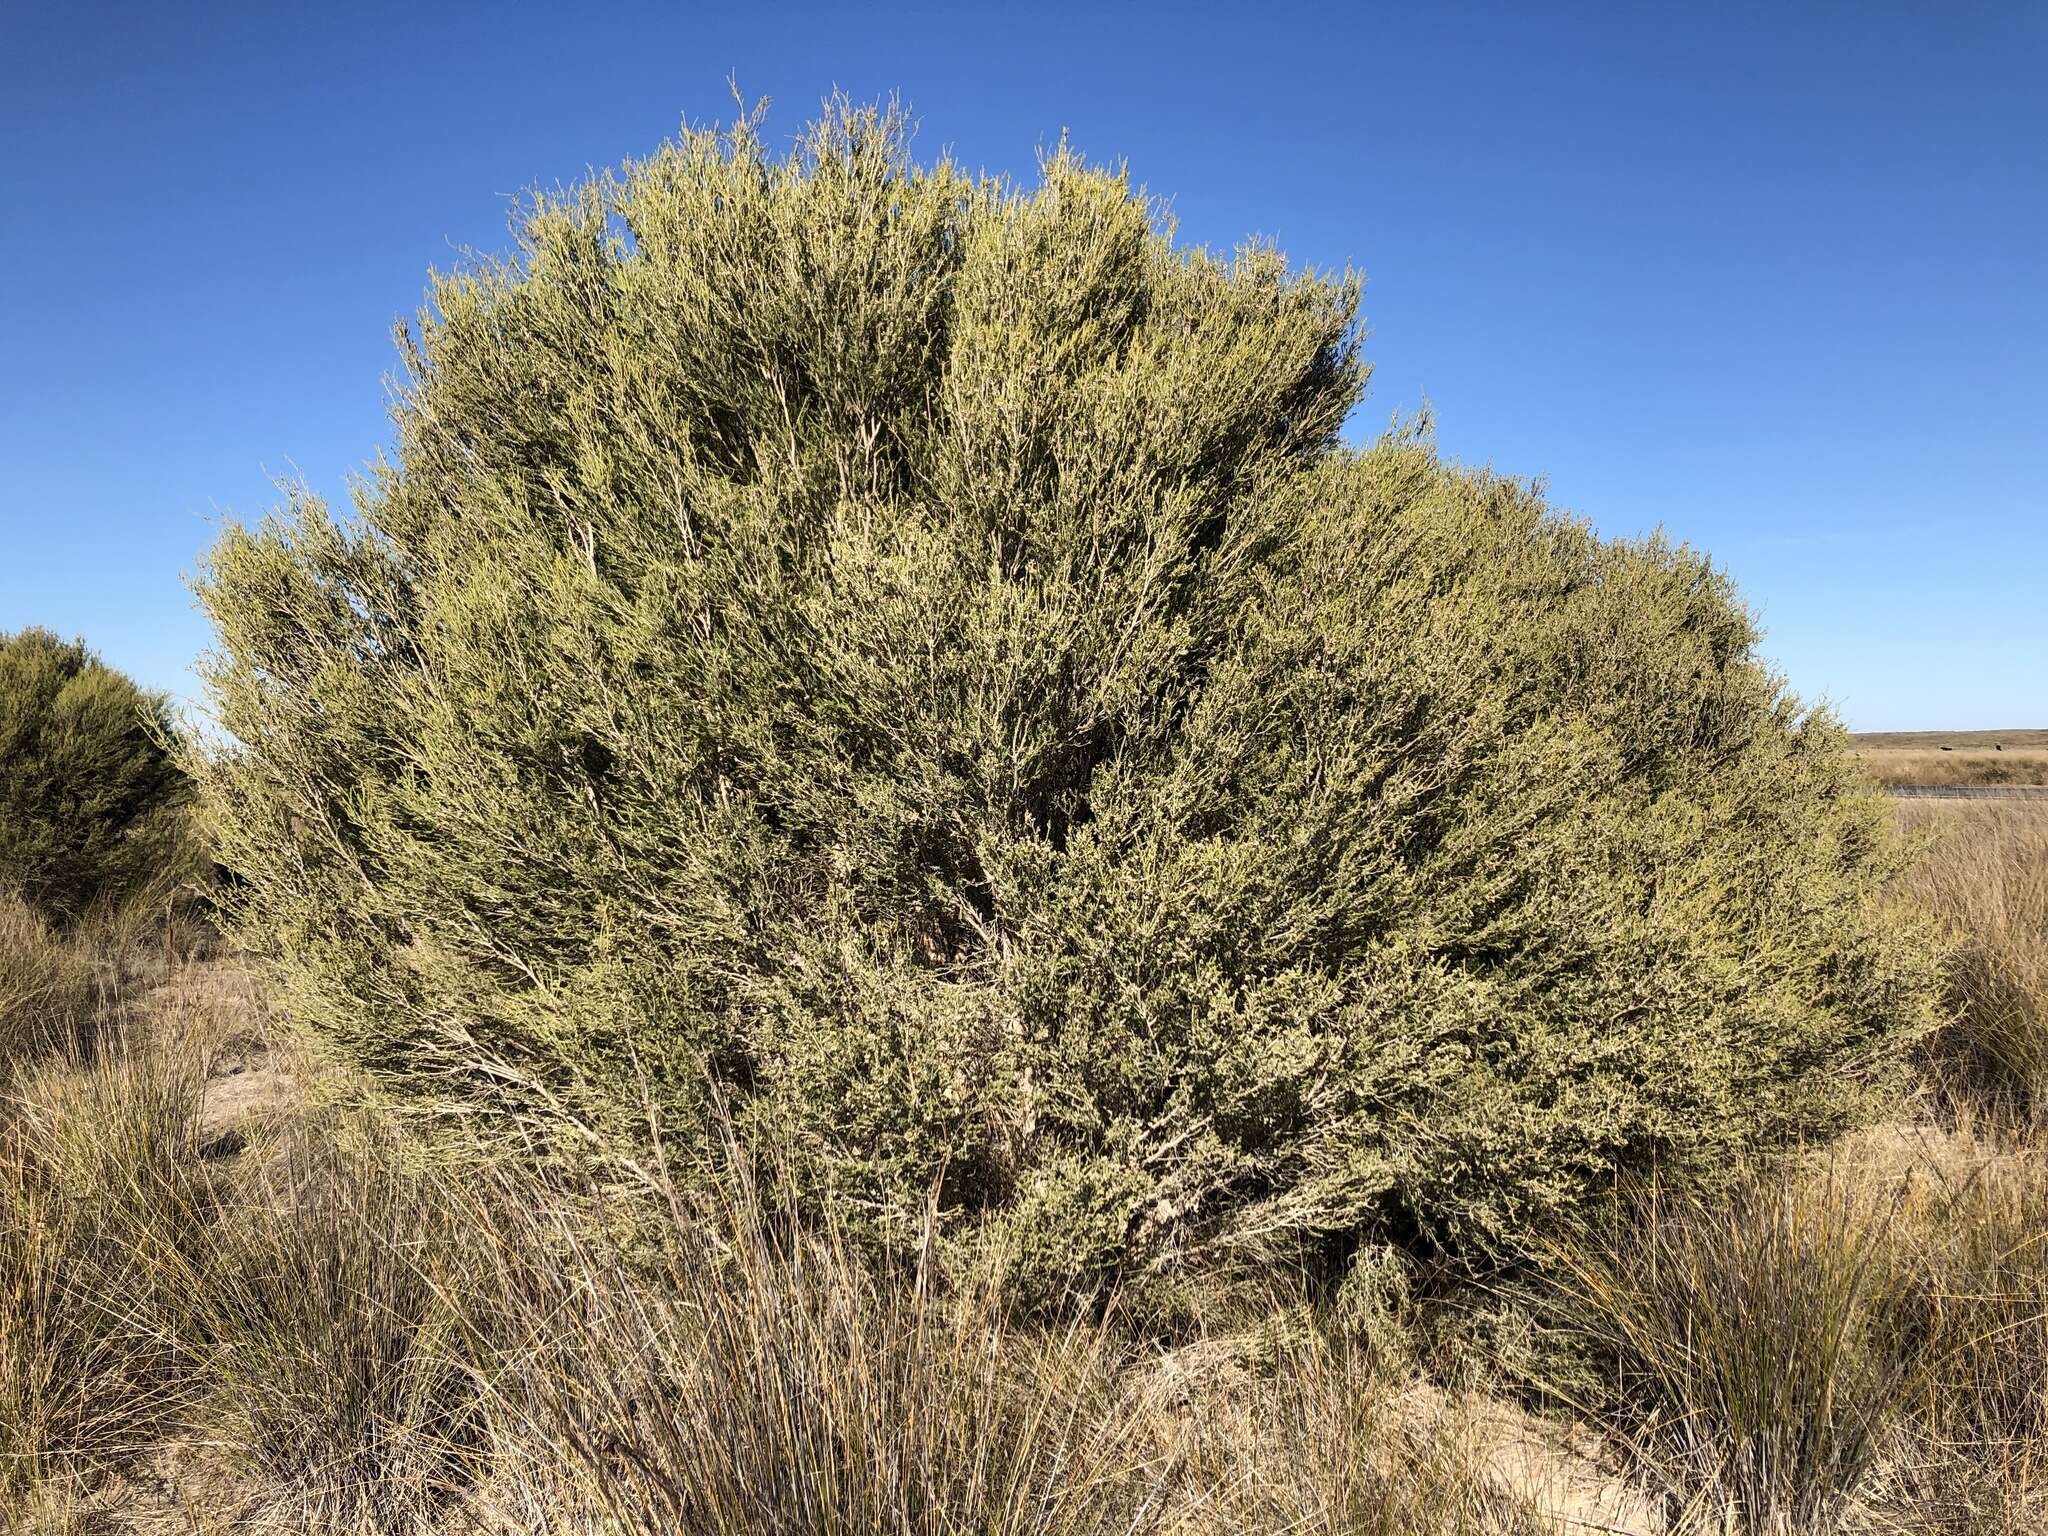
{"type": "Point", "coordinates": [907, 655]}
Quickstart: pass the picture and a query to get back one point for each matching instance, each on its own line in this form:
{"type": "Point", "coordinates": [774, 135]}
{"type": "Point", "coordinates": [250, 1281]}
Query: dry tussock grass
{"type": "Point", "coordinates": [1832, 1351]}
{"type": "Point", "coordinates": [1984, 868]}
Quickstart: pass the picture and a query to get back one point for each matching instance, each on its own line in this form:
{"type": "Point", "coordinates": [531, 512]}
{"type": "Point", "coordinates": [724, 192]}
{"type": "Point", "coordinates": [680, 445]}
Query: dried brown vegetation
{"type": "Point", "coordinates": [1894, 769]}
{"type": "Point", "coordinates": [1984, 869]}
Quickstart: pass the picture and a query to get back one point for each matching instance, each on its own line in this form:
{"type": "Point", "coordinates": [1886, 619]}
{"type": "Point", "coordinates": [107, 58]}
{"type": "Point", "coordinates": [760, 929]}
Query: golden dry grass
{"type": "Point", "coordinates": [1983, 869]}
{"type": "Point", "coordinates": [1859, 1346]}
{"type": "Point", "coordinates": [1893, 768]}
{"type": "Point", "coordinates": [1896, 759]}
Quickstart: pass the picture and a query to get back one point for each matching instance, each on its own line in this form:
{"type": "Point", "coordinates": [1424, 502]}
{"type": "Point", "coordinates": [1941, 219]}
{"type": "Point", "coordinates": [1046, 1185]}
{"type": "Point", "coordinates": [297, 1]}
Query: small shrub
{"type": "Point", "coordinates": [89, 793]}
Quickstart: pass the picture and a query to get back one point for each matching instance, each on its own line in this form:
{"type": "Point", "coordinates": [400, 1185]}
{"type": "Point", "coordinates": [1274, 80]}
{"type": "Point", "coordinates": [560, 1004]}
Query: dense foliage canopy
{"type": "Point", "coordinates": [89, 791]}
{"type": "Point", "coordinates": [908, 660]}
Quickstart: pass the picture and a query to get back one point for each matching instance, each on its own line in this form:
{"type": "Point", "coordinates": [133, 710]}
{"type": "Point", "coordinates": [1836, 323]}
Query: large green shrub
{"type": "Point", "coordinates": [907, 658]}
{"type": "Point", "coordinates": [89, 792]}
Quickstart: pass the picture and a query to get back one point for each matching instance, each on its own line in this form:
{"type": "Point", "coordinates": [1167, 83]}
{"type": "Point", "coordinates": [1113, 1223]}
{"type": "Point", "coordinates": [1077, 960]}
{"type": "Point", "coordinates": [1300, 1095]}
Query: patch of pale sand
{"type": "Point", "coordinates": [234, 1104]}
{"type": "Point", "coordinates": [1898, 1152]}
{"type": "Point", "coordinates": [1562, 1472]}
{"type": "Point", "coordinates": [211, 1012]}
{"type": "Point", "coordinates": [210, 1007]}
{"type": "Point", "coordinates": [182, 1490]}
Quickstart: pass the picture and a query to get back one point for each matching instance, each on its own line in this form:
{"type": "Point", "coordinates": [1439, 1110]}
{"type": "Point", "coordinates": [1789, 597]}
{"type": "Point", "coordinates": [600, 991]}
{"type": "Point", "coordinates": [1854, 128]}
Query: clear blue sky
{"type": "Point", "coordinates": [1774, 277]}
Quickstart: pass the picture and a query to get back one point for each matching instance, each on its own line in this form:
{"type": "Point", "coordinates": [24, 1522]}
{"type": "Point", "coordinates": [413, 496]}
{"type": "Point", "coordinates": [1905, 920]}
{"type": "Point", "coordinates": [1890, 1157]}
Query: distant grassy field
{"type": "Point", "coordinates": [1934, 741]}
{"type": "Point", "coordinates": [1898, 758]}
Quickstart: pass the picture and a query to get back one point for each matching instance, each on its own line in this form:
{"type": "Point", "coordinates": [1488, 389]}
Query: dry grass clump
{"type": "Point", "coordinates": [284, 1319]}
{"type": "Point", "coordinates": [1321, 1441]}
{"type": "Point", "coordinates": [1970, 1271]}
{"type": "Point", "coordinates": [86, 1378]}
{"type": "Point", "coordinates": [1985, 870]}
{"type": "Point", "coordinates": [338, 1370]}
{"type": "Point", "coordinates": [1850, 1349]}
{"type": "Point", "coordinates": [46, 984]}
{"type": "Point", "coordinates": [745, 1373]}
{"type": "Point", "coordinates": [103, 1202]}
{"type": "Point", "coordinates": [1742, 1345]}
